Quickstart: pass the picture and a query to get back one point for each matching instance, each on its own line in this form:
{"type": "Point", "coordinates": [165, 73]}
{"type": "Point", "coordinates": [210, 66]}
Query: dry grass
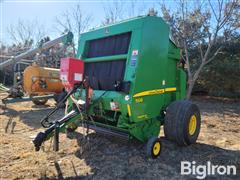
{"type": "Point", "coordinates": [106, 158]}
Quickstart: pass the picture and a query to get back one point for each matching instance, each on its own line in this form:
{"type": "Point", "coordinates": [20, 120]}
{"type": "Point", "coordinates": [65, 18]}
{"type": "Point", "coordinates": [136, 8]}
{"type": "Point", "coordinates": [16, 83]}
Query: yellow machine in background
{"type": "Point", "coordinates": [38, 81]}
{"type": "Point", "coordinates": [41, 80]}
{"type": "Point", "coordinates": [38, 84]}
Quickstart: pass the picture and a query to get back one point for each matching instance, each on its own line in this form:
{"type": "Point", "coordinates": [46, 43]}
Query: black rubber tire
{"type": "Point", "coordinates": [150, 146]}
{"type": "Point", "coordinates": [40, 102]}
{"type": "Point", "coordinates": [70, 132]}
{"type": "Point", "coordinates": [59, 97]}
{"type": "Point", "coordinates": [176, 122]}
{"type": "Point", "coordinates": [72, 127]}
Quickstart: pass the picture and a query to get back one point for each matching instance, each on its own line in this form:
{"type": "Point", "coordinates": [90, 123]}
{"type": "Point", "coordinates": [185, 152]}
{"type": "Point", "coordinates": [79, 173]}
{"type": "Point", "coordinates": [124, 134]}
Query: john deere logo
{"type": "Point", "coordinates": [106, 30]}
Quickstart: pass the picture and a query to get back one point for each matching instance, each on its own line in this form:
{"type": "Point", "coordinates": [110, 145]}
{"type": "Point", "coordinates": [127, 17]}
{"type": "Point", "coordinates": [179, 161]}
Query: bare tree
{"type": "Point", "coordinates": [114, 11]}
{"type": "Point", "coordinates": [137, 8]}
{"type": "Point", "coordinates": [198, 26]}
{"type": "Point", "coordinates": [118, 10]}
{"type": "Point", "coordinates": [26, 33]}
{"type": "Point", "coordinates": [75, 21]}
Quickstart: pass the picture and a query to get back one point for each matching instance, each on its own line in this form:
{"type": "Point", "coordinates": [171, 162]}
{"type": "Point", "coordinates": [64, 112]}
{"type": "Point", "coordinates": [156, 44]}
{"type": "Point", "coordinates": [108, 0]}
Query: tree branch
{"type": "Point", "coordinates": [214, 55]}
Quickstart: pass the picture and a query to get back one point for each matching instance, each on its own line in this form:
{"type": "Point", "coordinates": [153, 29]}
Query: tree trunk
{"type": "Point", "coordinates": [192, 80]}
{"type": "Point", "coordinates": [190, 88]}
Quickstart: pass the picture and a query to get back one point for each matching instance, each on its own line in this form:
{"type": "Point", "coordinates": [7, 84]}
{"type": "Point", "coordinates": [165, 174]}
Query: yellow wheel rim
{"type": "Point", "coordinates": [156, 148]}
{"type": "Point", "coordinates": [192, 125]}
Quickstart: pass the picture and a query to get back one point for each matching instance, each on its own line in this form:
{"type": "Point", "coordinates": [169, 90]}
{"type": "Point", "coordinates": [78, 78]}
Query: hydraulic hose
{"type": "Point", "coordinates": [44, 122]}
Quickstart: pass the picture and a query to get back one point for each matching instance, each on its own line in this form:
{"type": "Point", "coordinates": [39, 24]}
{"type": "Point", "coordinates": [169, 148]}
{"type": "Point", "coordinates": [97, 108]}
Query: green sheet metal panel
{"type": "Point", "coordinates": [151, 68]}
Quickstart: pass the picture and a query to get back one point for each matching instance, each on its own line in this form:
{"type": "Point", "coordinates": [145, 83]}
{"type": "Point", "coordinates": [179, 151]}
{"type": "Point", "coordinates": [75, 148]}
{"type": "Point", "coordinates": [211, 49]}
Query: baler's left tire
{"type": "Point", "coordinates": [153, 147]}
{"type": "Point", "coordinates": [40, 101]}
{"type": "Point", "coordinates": [182, 122]}
{"type": "Point", "coordinates": [70, 129]}
{"type": "Point", "coordinates": [59, 97]}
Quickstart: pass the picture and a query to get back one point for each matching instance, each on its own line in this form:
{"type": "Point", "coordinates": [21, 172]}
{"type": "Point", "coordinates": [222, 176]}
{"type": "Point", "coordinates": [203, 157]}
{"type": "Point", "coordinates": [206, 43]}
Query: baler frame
{"type": "Point", "coordinates": [149, 93]}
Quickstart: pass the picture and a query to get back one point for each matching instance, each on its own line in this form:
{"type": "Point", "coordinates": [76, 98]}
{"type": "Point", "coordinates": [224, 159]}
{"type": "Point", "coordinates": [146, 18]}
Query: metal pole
{"type": "Point", "coordinates": [56, 137]}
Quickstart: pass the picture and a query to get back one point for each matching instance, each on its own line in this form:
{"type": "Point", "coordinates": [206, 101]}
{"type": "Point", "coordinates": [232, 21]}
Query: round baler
{"type": "Point", "coordinates": [127, 81]}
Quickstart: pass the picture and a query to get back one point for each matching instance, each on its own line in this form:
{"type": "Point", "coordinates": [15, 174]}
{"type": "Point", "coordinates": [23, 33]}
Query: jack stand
{"type": "Point", "coordinates": [56, 137]}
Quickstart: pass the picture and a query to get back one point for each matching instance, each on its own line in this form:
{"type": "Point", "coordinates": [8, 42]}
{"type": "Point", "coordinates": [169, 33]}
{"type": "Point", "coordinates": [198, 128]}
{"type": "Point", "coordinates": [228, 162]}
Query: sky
{"type": "Point", "coordinates": [46, 11]}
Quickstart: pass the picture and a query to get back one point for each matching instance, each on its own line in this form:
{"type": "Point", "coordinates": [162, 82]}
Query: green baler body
{"type": "Point", "coordinates": [151, 68]}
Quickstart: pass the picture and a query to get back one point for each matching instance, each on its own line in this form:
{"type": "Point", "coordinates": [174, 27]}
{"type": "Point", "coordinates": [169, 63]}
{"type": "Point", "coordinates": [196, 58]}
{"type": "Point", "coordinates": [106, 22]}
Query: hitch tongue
{"type": "Point", "coordinates": [54, 130]}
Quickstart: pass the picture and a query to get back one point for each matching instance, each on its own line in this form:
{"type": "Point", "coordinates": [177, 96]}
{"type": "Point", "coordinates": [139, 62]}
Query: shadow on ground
{"type": "Point", "coordinates": [110, 158]}
{"type": "Point", "coordinates": [33, 117]}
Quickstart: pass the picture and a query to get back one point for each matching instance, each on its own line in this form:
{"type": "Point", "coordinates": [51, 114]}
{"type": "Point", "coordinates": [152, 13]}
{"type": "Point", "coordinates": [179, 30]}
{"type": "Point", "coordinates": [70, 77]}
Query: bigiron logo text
{"type": "Point", "coordinates": [201, 171]}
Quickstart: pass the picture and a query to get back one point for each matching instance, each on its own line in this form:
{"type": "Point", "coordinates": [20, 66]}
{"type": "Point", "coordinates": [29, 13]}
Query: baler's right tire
{"type": "Point", "coordinates": [153, 147]}
{"type": "Point", "coordinates": [182, 122]}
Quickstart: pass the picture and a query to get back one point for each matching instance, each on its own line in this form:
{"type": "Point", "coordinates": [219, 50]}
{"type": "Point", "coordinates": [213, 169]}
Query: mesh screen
{"type": "Point", "coordinates": [105, 75]}
{"type": "Point", "coordinates": [111, 45]}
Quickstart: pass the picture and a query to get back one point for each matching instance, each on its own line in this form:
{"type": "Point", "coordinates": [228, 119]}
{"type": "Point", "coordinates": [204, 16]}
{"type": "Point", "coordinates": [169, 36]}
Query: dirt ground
{"type": "Point", "coordinates": [100, 157]}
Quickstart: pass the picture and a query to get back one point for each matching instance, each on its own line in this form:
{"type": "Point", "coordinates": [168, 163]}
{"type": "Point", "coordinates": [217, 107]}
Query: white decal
{"type": "Point", "coordinates": [77, 77]}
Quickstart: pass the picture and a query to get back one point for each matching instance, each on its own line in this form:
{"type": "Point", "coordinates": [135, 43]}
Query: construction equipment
{"type": "Point", "coordinates": [127, 81]}
{"type": "Point", "coordinates": [39, 83]}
